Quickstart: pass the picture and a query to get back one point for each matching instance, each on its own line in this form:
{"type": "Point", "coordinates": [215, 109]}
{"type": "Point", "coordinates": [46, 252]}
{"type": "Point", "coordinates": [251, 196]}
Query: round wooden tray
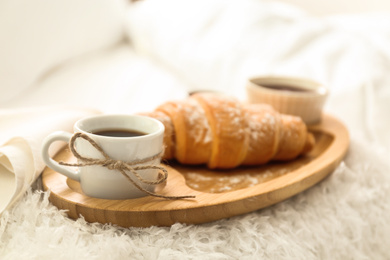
{"type": "Point", "coordinates": [219, 194]}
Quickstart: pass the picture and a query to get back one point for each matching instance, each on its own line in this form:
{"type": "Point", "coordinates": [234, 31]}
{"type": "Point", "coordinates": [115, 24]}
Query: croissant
{"type": "Point", "coordinates": [224, 133]}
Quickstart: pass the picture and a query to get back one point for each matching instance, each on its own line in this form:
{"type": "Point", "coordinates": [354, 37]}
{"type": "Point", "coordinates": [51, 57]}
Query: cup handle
{"type": "Point", "coordinates": [58, 136]}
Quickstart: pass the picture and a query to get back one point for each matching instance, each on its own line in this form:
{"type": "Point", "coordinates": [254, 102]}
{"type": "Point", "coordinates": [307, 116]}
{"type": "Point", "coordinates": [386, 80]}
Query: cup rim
{"type": "Point", "coordinates": [160, 126]}
{"type": "Point", "coordinates": [255, 83]}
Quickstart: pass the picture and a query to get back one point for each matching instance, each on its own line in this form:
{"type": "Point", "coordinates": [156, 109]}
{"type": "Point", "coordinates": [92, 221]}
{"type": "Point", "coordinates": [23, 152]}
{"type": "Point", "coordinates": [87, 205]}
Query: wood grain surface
{"type": "Point", "coordinates": [219, 194]}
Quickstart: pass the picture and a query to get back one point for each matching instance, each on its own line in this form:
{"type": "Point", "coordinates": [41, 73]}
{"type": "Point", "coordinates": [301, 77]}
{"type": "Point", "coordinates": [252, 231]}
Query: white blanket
{"type": "Point", "coordinates": [218, 45]}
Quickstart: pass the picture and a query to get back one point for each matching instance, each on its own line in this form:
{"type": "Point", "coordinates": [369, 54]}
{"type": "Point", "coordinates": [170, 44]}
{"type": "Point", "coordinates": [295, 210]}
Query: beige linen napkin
{"type": "Point", "coordinates": [21, 135]}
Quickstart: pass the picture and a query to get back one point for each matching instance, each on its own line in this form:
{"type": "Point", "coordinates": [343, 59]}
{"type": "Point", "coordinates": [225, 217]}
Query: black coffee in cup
{"type": "Point", "coordinates": [286, 88]}
{"type": "Point", "coordinates": [118, 132]}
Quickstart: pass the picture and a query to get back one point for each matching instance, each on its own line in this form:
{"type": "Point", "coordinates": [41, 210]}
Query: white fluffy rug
{"type": "Point", "coordinates": [344, 217]}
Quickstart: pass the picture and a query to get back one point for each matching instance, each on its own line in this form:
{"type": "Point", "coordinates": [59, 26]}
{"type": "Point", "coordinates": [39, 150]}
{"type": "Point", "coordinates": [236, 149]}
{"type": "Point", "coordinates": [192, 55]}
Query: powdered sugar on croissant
{"type": "Point", "coordinates": [223, 133]}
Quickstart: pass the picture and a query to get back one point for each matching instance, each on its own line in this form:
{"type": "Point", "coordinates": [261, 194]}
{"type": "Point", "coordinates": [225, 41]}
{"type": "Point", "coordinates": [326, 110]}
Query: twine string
{"type": "Point", "coordinates": [123, 167]}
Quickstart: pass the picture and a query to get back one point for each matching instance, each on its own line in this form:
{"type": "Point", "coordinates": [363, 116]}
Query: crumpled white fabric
{"type": "Point", "coordinates": [21, 135]}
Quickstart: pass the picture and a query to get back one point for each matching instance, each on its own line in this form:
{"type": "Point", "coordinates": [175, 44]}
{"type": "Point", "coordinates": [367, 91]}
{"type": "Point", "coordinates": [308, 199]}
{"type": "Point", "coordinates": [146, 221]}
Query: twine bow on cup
{"type": "Point", "coordinates": [123, 167]}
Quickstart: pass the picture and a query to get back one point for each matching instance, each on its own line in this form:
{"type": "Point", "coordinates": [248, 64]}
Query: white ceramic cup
{"type": "Point", "coordinates": [101, 182]}
{"type": "Point", "coordinates": [289, 95]}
